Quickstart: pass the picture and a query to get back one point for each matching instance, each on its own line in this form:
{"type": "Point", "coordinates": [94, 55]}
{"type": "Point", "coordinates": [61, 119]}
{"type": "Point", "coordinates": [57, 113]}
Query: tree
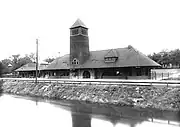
{"type": "Point", "coordinates": [166, 57]}
{"type": "Point", "coordinates": [5, 64]}
{"type": "Point", "coordinates": [2, 69]}
{"type": "Point", "coordinates": [175, 57]}
{"type": "Point", "coordinates": [49, 60]}
{"type": "Point", "coordinates": [20, 61]}
{"type": "Point", "coordinates": [156, 57]}
{"type": "Point", "coordinates": [17, 61]}
{"type": "Point", "coordinates": [31, 56]}
{"type": "Point", "coordinates": [15, 58]}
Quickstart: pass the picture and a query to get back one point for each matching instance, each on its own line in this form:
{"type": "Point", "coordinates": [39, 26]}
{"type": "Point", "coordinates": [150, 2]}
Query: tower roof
{"type": "Point", "coordinates": [78, 23]}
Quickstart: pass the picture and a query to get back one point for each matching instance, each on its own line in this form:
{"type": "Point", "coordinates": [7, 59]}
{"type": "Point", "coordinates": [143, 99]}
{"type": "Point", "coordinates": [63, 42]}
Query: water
{"type": "Point", "coordinates": [27, 112]}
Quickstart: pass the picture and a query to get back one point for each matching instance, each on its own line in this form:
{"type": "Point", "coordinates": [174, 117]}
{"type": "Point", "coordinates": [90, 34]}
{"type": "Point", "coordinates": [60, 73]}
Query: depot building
{"type": "Point", "coordinates": [119, 63]}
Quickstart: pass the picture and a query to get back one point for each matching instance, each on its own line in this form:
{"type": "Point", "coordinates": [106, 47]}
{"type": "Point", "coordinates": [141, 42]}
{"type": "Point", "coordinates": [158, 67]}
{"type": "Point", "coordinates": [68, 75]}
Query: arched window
{"type": "Point", "coordinates": [86, 74]}
{"type": "Point", "coordinates": [75, 61]}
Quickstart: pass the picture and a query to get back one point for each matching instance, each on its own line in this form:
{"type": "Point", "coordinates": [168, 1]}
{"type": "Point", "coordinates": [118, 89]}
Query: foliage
{"type": "Point", "coordinates": [49, 60]}
{"type": "Point", "coordinates": [4, 67]}
{"type": "Point", "coordinates": [1, 68]}
{"type": "Point", "coordinates": [16, 61]}
{"type": "Point", "coordinates": [166, 57]}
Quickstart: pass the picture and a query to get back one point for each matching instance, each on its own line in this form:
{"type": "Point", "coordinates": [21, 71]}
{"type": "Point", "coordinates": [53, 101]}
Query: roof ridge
{"type": "Point", "coordinates": [108, 49]}
{"type": "Point", "coordinates": [78, 23]}
{"type": "Point", "coordinates": [111, 53]}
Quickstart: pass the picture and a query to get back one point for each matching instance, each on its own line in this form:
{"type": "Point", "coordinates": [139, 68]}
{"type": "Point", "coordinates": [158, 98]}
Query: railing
{"type": "Point", "coordinates": [164, 83]}
{"type": "Point", "coordinates": [163, 76]}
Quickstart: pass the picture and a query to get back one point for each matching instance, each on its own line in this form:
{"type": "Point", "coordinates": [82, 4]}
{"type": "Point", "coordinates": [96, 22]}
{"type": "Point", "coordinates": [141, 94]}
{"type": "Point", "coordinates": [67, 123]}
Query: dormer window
{"type": "Point", "coordinates": [111, 56]}
{"type": "Point", "coordinates": [110, 59]}
{"type": "Point", "coordinates": [75, 61]}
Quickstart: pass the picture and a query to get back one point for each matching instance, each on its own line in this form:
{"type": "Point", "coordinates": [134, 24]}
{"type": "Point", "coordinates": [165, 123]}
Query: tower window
{"type": "Point", "coordinates": [80, 30]}
{"type": "Point", "coordinates": [75, 31]}
{"type": "Point", "coordinates": [83, 31]}
{"type": "Point", "coordinates": [75, 61]}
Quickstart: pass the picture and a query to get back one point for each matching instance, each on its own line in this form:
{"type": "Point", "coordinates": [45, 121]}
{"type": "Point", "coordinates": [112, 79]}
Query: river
{"type": "Point", "coordinates": [32, 112]}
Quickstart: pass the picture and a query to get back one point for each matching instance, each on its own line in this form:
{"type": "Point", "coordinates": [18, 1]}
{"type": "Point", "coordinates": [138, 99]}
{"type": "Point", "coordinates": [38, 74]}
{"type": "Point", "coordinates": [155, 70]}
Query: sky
{"type": "Point", "coordinates": [148, 25]}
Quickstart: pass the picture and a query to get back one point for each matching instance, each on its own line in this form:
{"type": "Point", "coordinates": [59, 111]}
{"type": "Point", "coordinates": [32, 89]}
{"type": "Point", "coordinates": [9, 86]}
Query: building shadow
{"type": "Point", "coordinates": [83, 113]}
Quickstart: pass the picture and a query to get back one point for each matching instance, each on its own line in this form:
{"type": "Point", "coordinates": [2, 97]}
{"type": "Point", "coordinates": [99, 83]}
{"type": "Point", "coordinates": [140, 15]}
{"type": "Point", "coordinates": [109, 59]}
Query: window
{"type": "Point", "coordinates": [83, 31]}
{"type": "Point", "coordinates": [110, 59]}
{"type": "Point", "coordinates": [75, 61]}
{"type": "Point", "coordinates": [111, 56]}
{"type": "Point", "coordinates": [79, 30]}
{"type": "Point", "coordinates": [86, 74]}
{"type": "Point", "coordinates": [75, 31]}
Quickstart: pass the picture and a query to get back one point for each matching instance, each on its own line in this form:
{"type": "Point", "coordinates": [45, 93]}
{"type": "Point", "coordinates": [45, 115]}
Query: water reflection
{"type": "Point", "coordinates": [115, 115]}
{"type": "Point", "coordinates": [81, 120]}
{"type": "Point", "coordinates": [82, 114]}
{"type": "Point", "coordinates": [40, 113]}
{"type": "Point", "coordinates": [85, 113]}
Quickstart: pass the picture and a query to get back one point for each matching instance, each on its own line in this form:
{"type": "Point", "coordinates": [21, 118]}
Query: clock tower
{"type": "Point", "coordinates": [79, 44]}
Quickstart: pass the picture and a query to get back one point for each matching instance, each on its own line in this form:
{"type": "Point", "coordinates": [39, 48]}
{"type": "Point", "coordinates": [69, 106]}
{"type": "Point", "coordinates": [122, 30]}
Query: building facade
{"type": "Point", "coordinates": [119, 63]}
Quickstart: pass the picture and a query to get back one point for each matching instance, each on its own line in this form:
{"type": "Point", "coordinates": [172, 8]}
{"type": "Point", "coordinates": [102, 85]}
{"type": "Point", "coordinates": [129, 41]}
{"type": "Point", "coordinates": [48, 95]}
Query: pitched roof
{"type": "Point", "coordinates": [59, 63]}
{"type": "Point", "coordinates": [31, 67]}
{"type": "Point", "coordinates": [127, 57]}
{"type": "Point", "coordinates": [111, 53]}
{"type": "Point", "coordinates": [78, 23]}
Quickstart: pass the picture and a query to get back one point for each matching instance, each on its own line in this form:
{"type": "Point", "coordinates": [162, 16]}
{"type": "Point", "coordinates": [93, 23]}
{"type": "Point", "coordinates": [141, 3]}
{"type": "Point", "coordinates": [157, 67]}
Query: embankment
{"type": "Point", "coordinates": [163, 98]}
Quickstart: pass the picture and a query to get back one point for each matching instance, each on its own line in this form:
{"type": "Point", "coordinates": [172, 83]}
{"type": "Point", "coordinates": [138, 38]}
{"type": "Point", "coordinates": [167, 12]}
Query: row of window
{"type": "Point", "coordinates": [110, 59]}
{"type": "Point", "coordinates": [80, 30]}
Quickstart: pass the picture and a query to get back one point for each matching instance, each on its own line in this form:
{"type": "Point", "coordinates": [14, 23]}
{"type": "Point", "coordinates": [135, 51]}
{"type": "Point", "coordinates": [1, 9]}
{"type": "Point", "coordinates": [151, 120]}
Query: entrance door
{"type": "Point", "coordinates": [86, 74]}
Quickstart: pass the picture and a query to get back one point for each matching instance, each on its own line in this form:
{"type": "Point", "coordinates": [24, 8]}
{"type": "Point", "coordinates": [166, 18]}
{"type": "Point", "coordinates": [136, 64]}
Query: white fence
{"type": "Point", "coordinates": [163, 83]}
{"type": "Point", "coordinates": [165, 74]}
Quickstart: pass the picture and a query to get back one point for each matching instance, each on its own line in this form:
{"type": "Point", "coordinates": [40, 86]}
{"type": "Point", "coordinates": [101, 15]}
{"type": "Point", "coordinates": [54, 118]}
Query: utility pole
{"type": "Point", "coordinates": [36, 60]}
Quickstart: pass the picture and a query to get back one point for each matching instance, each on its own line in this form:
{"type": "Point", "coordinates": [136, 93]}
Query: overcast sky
{"type": "Point", "coordinates": [147, 25]}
